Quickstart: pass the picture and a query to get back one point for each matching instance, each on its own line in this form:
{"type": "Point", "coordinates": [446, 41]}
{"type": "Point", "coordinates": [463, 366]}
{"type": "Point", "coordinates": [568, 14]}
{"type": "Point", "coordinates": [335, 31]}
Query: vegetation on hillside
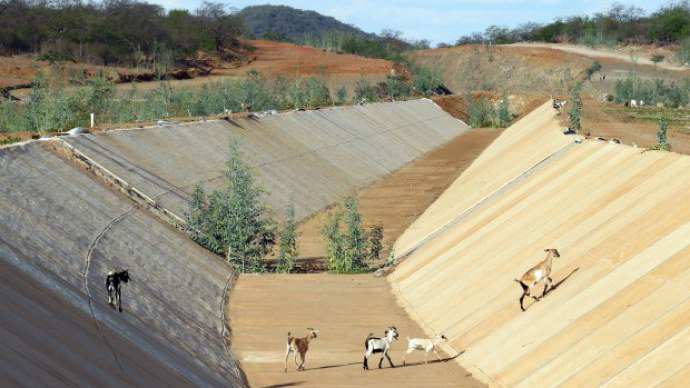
{"type": "Point", "coordinates": [115, 32]}
{"type": "Point", "coordinates": [287, 24]}
{"type": "Point", "coordinates": [652, 92]}
{"type": "Point", "coordinates": [619, 24]}
{"type": "Point", "coordinates": [483, 113]}
{"type": "Point", "coordinates": [56, 106]}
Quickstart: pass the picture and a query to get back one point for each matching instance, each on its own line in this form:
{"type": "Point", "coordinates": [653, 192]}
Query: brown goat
{"type": "Point", "coordinates": [535, 275]}
{"type": "Point", "coordinates": [299, 346]}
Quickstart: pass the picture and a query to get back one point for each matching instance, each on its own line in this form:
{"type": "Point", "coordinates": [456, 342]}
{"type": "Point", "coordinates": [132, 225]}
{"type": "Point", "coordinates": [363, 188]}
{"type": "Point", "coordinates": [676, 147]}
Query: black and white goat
{"type": "Point", "coordinates": [112, 285]}
{"type": "Point", "coordinates": [380, 345]}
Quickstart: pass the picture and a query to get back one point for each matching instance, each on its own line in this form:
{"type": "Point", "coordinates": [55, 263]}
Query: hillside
{"type": "Point", "coordinates": [280, 22]}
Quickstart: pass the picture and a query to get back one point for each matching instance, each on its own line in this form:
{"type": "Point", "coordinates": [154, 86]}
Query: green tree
{"type": "Point", "coordinates": [375, 241]}
{"type": "Point", "coordinates": [355, 236]}
{"type": "Point", "coordinates": [232, 221]}
{"type": "Point", "coordinates": [345, 238]}
{"type": "Point", "coordinates": [482, 113]}
{"type": "Point", "coordinates": [364, 91]}
{"type": "Point", "coordinates": [504, 117]}
{"type": "Point", "coordinates": [575, 112]}
{"type": "Point", "coordinates": [288, 243]}
{"type": "Point", "coordinates": [662, 140]}
{"type": "Point", "coordinates": [397, 88]}
{"type": "Point", "coordinates": [341, 95]}
{"type": "Point", "coordinates": [334, 241]}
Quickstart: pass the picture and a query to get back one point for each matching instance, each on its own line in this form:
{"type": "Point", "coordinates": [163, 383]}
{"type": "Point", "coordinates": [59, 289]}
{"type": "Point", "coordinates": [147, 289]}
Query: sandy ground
{"type": "Point", "coordinates": [263, 308]}
{"type": "Point", "coordinates": [398, 199]}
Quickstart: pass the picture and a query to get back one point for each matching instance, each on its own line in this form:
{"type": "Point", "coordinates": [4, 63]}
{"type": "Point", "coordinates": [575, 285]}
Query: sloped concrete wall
{"type": "Point", "coordinates": [61, 230]}
{"type": "Point", "coordinates": [620, 311]}
{"type": "Point", "coordinates": [311, 159]}
{"type": "Point", "coordinates": [529, 142]}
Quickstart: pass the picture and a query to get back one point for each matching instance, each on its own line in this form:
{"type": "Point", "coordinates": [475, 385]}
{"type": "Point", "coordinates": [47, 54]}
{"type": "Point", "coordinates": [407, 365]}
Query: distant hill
{"type": "Point", "coordinates": [280, 22]}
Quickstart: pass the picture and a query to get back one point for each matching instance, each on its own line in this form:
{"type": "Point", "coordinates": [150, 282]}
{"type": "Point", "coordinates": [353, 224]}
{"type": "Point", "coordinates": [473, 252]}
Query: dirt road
{"type": "Point", "coordinates": [344, 308]}
{"type": "Point", "coordinates": [641, 58]}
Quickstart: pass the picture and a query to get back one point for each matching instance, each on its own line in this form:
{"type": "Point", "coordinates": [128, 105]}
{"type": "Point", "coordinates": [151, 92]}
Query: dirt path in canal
{"type": "Point", "coordinates": [345, 309]}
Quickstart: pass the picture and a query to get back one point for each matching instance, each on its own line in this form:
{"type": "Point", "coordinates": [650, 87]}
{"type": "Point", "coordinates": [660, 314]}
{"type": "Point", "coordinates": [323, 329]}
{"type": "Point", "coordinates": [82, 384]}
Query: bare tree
{"type": "Point", "coordinates": [222, 24]}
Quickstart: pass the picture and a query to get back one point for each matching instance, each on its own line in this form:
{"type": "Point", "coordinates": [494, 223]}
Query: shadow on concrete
{"type": "Point", "coordinates": [294, 384]}
{"type": "Point", "coordinates": [435, 361]}
{"type": "Point", "coordinates": [555, 286]}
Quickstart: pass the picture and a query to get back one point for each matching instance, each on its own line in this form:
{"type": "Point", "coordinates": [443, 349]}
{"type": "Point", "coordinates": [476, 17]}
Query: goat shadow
{"type": "Point", "coordinates": [296, 383]}
{"type": "Point", "coordinates": [555, 286]}
{"type": "Point", "coordinates": [436, 361]}
{"type": "Point", "coordinates": [334, 366]}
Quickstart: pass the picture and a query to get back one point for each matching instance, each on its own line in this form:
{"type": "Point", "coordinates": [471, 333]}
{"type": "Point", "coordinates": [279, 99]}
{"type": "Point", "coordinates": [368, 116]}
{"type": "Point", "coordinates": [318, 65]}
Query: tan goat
{"type": "Point", "coordinates": [299, 346]}
{"type": "Point", "coordinates": [537, 274]}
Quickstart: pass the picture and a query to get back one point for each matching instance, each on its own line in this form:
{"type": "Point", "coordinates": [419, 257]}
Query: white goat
{"type": "Point", "coordinates": [425, 344]}
{"type": "Point", "coordinates": [380, 345]}
{"type": "Point", "coordinates": [633, 104]}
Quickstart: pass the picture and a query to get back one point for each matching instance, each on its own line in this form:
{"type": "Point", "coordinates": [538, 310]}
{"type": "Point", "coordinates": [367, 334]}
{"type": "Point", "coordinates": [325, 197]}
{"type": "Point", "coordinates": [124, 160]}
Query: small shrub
{"type": "Point", "coordinates": [355, 236]}
{"type": "Point", "coordinates": [375, 241]}
{"type": "Point", "coordinates": [575, 113]}
{"type": "Point", "coordinates": [656, 58]}
{"type": "Point", "coordinates": [9, 140]}
{"type": "Point", "coordinates": [682, 55]}
{"type": "Point", "coordinates": [593, 68]}
{"type": "Point", "coordinates": [425, 80]}
{"type": "Point", "coordinates": [334, 241]}
{"type": "Point", "coordinates": [662, 141]}
{"type": "Point", "coordinates": [482, 113]}
{"type": "Point", "coordinates": [287, 253]}
{"type": "Point", "coordinates": [504, 116]}
{"type": "Point", "coordinates": [397, 88]}
{"type": "Point", "coordinates": [365, 91]}
{"type": "Point", "coordinates": [345, 239]}
{"type": "Point", "coordinates": [341, 96]}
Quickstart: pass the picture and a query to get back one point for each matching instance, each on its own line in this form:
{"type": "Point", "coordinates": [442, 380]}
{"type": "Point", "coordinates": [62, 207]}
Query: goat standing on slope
{"type": "Point", "coordinates": [535, 275]}
{"type": "Point", "coordinates": [380, 345]}
{"type": "Point", "coordinates": [425, 344]}
{"type": "Point", "coordinates": [113, 285]}
{"type": "Point", "coordinates": [299, 346]}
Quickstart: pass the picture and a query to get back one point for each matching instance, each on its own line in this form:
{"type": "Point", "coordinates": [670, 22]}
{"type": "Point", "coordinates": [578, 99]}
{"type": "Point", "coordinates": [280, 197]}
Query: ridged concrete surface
{"type": "Point", "coordinates": [620, 311]}
{"type": "Point", "coordinates": [61, 230]}
{"type": "Point", "coordinates": [311, 159]}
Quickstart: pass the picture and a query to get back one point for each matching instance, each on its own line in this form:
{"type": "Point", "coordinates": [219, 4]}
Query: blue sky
{"type": "Point", "coordinates": [437, 20]}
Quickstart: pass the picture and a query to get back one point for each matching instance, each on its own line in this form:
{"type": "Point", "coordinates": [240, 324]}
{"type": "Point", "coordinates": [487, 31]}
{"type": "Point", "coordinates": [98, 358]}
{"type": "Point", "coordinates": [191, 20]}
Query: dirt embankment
{"type": "Point", "coordinates": [641, 55]}
{"type": "Point", "coordinates": [345, 309]}
{"type": "Point", "coordinates": [273, 59]}
{"type": "Point", "coordinates": [636, 126]}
